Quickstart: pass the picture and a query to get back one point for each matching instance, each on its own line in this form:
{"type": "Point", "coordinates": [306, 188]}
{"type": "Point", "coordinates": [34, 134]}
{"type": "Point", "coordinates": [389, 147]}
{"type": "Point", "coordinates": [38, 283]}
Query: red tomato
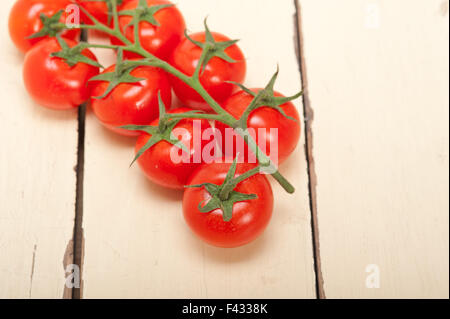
{"type": "Point", "coordinates": [157, 162]}
{"type": "Point", "coordinates": [158, 40]}
{"type": "Point", "coordinates": [250, 218]}
{"type": "Point", "coordinates": [215, 75]}
{"type": "Point", "coordinates": [131, 103]}
{"type": "Point", "coordinates": [98, 9]}
{"type": "Point", "coordinates": [264, 118]}
{"type": "Point", "coordinates": [24, 21]}
{"type": "Point", "coordinates": [51, 82]}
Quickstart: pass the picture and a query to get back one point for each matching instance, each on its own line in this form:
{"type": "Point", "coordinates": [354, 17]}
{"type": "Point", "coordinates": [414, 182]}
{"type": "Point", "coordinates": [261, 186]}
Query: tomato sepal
{"type": "Point", "coordinates": [144, 12]}
{"type": "Point", "coordinates": [73, 56]}
{"type": "Point", "coordinates": [51, 25]}
{"type": "Point", "coordinates": [119, 76]}
{"type": "Point", "coordinates": [211, 48]}
{"type": "Point", "coordinates": [265, 98]}
{"type": "Point", "coordinates": [162, 132]}
{"type": "Point", "coordinates": [224, 196]}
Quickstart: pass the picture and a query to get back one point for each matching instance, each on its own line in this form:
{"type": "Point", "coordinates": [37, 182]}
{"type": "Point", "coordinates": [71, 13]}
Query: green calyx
{"type": "Point", "coordinates": [144, 12]}
{"type": "Point", "coordinates": [211, 48]}
{"type": "Point", "coordinates": [73, 56]}
{"type": "Point", "coordinates": [224, 196]}
{"type": "Point", "coordinates": [265, 98]}
{"type": "Point", "coordinates": [120, 75]}
{"type": "Point", "coordinates": [162, 132]}
{"type": "Point", "coordinates": [51, 25]}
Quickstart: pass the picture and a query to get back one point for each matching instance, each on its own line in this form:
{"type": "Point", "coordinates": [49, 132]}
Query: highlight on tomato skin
{"type": "Point", "coordinates": [159, 40]}
{"type": "Point", "coordinates": [158, 163]}
{"type": "Point", "coordinates": [24, 21]}
{"type": "Point", "coordinates": [131, 103]}
{"type": "Point", "coordinates": [250, 218]}
{"type": "Point", "coordinates": [287, 134]}
{"type": "Point", "coordinates": [51, 82]}
{"type": "Point", "coordinates": [214, 77]}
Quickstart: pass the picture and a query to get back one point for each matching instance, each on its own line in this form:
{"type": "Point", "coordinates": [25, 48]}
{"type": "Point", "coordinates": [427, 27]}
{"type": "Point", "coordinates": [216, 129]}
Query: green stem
{"type": "Point", "coordinates": [231, 185]}
{"type": "Point", "coordinates": [137, 39]}
{"type": "Point", "coordinates": [196, 75]}
{"type": "Point", "coordinates": [115, 16]}
{"type": "Point", "coordinates": [103, 46]}
{"type": "Point", "coordinates": [198, 116]}
{"type": "Point", "coordinates": [247, 175]}
{"type": "Point", "coordinates": [265, 161]}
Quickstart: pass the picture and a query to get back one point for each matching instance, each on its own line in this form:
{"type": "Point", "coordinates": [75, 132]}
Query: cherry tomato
{"type": "Point", "coordinates": [131, 103]}
{"type": "Point", "coordinates": [159, 165]}
{"type": "Point", "coordinates": [24, 21]}
{"type": "Point", "coordinates": [159, 40]}
{"type": "Point", "coordinates": [215, 75]}
{"type": "Point", "coordinates": [51, 82]}
{"type": "Point", "coordinates": [250, 218]}
{"type": "Point", "coordinates": [288, 131]}
{"type": "Point", "coordinates": [98, 9]}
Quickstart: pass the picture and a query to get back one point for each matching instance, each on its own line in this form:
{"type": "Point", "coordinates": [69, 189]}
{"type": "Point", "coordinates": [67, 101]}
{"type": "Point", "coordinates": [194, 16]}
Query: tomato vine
{"type": "Point", "coordinates": [223, 196]}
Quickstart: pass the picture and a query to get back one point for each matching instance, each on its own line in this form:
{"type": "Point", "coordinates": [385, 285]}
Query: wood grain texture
{"type": "Point", "coordinates": [378, 83]}
{"type": "Point", "coordinates": [37, 184]}
{"type": "Point", "coordinates": [136, 242]}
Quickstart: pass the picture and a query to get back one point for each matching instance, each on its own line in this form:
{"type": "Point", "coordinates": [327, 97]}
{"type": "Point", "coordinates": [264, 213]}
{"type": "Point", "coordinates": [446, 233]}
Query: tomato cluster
{"type": "Point", "coordinates": [134, 98]}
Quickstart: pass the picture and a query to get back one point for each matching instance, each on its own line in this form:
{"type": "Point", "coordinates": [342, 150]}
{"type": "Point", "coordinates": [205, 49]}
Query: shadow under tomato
{"type": "Point", "coordinates": [38, 111]}
{"type": "Point", "coordinates": [17, 57]}
{"type": "Point", "coordinates": [111, 137]}
{"type": "Point", "coordinates": [162, 193]}
{"type": "Point", "coordinates": [229, 255]}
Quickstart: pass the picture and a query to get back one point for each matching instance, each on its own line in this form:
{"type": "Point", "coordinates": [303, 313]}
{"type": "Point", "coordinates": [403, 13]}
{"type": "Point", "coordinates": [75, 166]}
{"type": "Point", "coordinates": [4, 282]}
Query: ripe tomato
{"type": "Point", "coordinates": [215, 75]}
{"type": "Point", "coordinates": [24, 21]}
{"type": "Point", "coordinates": [250, 218]}
{"type": "Point", "coordinates": [51, 82]}
{"type": "Point", "coordinates": [159, 40]}
{"type": "Point", "coordinates": [264, 118]}
{"type": "Point", "coordinates": [131, 103]}
{"type": "Point", "coordinates": [98, 9]}
{"type": "Point", "coordinates": [157, 162]}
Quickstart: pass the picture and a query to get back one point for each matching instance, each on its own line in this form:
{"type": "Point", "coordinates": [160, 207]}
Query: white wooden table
{"type": "Point", "coordinates": [370, 215]}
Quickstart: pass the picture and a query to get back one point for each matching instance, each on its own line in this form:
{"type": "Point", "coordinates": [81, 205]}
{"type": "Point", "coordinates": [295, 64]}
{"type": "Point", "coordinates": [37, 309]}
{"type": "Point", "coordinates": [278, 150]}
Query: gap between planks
{"type": "Point", "coordinates": [78, 238]}
{"type": "Point", "coordinates": [309, 147]}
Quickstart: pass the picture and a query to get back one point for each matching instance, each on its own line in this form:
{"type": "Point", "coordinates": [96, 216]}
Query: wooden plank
{"type": "Point", "coordinates": [136, 242]}
{"type": "Point", "coordinates": [37, 184]}
{"type": "Point", "coordinates": [378, 84]}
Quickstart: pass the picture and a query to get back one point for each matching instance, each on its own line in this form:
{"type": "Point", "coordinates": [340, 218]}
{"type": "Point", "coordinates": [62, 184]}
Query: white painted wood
{"type": "Point", "coordinates": [378, 83]}
{"type": "Point", "coordinates": [136, 242]}
{"type": "Point", "coordinates": [37, 184]}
